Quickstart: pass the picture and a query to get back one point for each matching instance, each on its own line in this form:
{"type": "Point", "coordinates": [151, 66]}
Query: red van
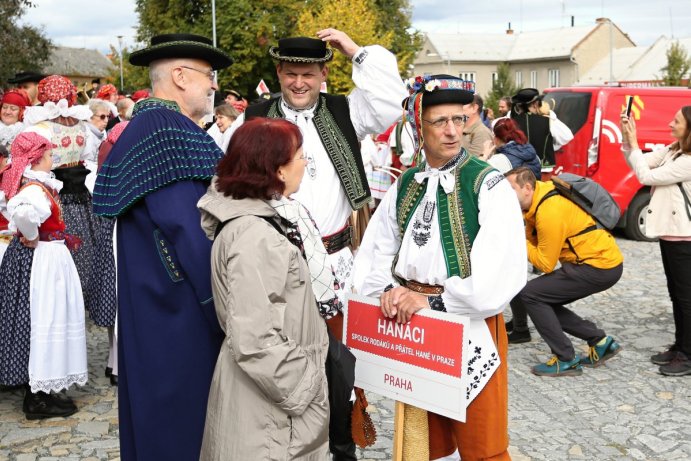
{"type": "Point", "coordinates": [592, 114]}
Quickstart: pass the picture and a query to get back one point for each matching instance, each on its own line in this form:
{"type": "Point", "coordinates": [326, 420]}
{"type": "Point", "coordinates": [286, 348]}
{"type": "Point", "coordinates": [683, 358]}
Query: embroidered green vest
{"type": "Point", "coordinates": [332, 120]}
{"type": "Point", "coordinates": [458, 211]}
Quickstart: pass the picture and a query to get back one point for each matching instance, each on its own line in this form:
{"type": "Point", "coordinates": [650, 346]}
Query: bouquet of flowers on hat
{"type": "Point", "coordinates": [416, 84]}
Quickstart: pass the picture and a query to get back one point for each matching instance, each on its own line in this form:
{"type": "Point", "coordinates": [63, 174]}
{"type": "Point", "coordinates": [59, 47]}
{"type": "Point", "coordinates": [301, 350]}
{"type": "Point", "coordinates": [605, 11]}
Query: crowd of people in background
{"type": "Point", "coordinates": [102, 194]}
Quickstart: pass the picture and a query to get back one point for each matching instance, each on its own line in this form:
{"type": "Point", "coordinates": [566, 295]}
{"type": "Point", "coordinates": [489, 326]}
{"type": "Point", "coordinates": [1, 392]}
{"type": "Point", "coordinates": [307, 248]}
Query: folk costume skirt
{"type": "Point", "coordinates": [15, 313]}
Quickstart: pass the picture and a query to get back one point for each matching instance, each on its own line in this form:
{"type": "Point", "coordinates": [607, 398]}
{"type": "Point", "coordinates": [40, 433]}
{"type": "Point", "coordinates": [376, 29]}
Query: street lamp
{"type": "Point", "coordinates": [122, 86]}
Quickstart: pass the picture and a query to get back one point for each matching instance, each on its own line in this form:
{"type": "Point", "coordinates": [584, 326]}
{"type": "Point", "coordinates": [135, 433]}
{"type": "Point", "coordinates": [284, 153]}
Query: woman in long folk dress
{"type": "Point", "coordinates": [42, 326]}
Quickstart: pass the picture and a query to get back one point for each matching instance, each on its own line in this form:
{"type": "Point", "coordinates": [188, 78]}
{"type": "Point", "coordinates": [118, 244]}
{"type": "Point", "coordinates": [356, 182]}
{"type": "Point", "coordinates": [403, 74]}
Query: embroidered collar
{"type": "Point", "coordinates": [309, 109]}
{"type": "Point", "coordinates": [451, 163]}
{"type": "Point", "coordinates": [148, 104]}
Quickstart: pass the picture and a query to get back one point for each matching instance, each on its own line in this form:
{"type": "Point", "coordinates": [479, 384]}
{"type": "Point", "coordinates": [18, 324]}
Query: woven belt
{"type": "Point", "coordinates": [424, 288]}
{"type": "Point", "coordinates": [338, 241]}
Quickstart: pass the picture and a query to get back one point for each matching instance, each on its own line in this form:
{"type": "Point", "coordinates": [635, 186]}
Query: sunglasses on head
{"type": "Point", "coordinates": [102, 116]}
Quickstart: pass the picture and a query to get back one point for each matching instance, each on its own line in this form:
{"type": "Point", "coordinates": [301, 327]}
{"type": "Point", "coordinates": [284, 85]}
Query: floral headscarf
{"type": "Point", "coordinates": [105, 91]}
{"type": "Point", "coordinates": [27, 148]}
{"type": "Point", "coordinates": [56, 87]}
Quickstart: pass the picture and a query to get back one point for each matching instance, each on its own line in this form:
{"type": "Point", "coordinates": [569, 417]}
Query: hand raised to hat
{"type": "Point", "coordinates": [339, 40]}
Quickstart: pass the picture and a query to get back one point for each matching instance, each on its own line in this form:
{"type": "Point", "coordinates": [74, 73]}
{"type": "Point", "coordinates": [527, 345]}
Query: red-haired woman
{"type": "Point", "coordinates": [269, 388]}
{"type": "Point", "coordinates": [12, 107]}
{"type": "Point", "coordinates": [512, 148]}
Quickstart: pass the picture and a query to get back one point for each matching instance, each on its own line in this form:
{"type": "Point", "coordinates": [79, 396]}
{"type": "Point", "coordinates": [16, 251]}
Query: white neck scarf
{"type": "Point", "coordinates": [436, 176]}
{"type": "Point", "coordinates": [301, 117]}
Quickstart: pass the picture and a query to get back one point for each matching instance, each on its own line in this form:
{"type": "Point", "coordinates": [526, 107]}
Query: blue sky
{"type": "Point", "coordinates": [97, 23]}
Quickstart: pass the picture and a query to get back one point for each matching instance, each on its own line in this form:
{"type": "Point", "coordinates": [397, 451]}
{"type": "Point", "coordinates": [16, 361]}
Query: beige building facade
{"type": "Point", "coordinates": [539, 59]}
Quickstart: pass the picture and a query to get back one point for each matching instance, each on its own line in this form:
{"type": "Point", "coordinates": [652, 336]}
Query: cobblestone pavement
{"type": "Point", "coordinates": [624, 410]}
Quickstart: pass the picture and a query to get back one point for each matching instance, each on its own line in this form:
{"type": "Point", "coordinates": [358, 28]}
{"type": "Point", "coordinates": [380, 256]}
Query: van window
{"type": "Point", "coordinates": [570, 107]}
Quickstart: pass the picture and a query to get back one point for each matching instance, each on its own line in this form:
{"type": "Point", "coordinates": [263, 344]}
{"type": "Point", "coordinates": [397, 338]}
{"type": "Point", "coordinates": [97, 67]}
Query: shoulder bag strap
{"type": "Point", "coordinates": [687, 202]}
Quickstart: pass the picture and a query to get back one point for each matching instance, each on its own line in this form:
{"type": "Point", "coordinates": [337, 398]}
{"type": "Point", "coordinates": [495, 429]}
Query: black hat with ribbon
{"type": "Point", "coordinates": [24, 77]}
{"type": "Point", "coordinates": [525, 96]}
{"type": "Point", "coordinates": [171, 46]}
{"type": "Point", "coordinates": [301, 50]}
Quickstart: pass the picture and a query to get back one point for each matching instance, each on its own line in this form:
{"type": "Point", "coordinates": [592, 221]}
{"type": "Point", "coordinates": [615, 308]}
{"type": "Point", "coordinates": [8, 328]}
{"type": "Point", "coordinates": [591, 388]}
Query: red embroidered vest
{"type": "Point", "coordinates": [52, 228]}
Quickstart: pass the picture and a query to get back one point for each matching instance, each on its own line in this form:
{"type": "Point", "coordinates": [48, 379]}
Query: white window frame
{"type": "Point", "coordinates": [533, 79]}
{"type": "Point", "coordinates": [518, 79]}
{"type": "Point", "coordinates": [553, 78]}
{"type": "Point", "coordinates": [467, 76]}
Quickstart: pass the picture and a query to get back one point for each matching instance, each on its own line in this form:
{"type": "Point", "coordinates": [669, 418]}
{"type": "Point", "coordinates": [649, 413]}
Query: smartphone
{"type": "Point", "coordinates": [629, 104]}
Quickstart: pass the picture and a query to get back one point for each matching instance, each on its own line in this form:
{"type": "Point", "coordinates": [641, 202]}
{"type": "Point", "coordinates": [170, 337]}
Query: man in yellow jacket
{"type": "Point", "coordinates": [558, 230]}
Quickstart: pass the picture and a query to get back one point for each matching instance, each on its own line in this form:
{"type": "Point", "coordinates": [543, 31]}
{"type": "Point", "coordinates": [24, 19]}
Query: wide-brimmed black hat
{"type": "Point", "coordinates": [301, 50]}
{"type": "Point", "coordinates": [525, 96]}
{"type": "Point", "coordinates": [23, 77]}
{"type": "Point", "coordinates": [170, 46]}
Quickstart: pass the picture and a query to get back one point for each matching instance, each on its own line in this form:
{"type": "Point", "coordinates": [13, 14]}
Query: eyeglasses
{"type": "Point", "coordinates": [209, 73]}
{"type": "Point", "coordinates": [457, 120]}
{"type": "Point", "coordinates": [102, 116]}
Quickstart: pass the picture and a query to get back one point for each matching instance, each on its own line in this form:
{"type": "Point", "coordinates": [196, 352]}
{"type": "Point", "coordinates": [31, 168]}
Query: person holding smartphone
{"type": "Point", "coordinates": [668, 172]}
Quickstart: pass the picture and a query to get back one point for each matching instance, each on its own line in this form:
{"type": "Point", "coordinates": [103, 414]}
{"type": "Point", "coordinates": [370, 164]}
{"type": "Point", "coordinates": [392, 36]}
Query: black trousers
{"type": "Point", "coordinates": [544, 299]}
{"type": "Point", "coordinates": [340, 375]}
{"type": "Point", "coordinates": [676, 260]}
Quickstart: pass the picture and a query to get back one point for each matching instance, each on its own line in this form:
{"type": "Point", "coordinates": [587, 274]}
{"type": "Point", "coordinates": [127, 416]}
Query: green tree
{"type": "Point", "coordinates": [134, 78]}
{"type": "Point", "coordinates": [22, 48]}
{"type": "Point", "coordinates": [678, 65]}
{"type": "Point", "coordinates": [502, 86]}
{"type": "Point", "coordinates": [355, 17]}
{"type": "Point", "coordinates": [247, 28]}
{"type": "Point", "coordinates": [395, 16]}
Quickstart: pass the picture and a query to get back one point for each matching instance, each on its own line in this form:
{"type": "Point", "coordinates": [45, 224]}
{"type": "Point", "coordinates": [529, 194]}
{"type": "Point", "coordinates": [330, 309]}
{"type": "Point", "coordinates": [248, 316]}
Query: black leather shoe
{"type": "Point", "coordinates": [113, 380]}
{"type": "Point", "coordinates": [109, 372]}
{"type": "Point", "coordinates": [41, 405]}
{"type": "Point", "coordinates": [517, 337]}
{"type": "Point", "coordinates": [62, 401]}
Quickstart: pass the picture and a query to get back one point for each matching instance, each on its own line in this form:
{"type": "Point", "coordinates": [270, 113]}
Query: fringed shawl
{"type": "Point", "coordinates": [159, 146]}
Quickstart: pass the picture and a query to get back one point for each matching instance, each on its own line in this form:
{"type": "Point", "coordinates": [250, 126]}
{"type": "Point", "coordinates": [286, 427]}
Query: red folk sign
{"type": "Point", "coordinates": [427, 341]}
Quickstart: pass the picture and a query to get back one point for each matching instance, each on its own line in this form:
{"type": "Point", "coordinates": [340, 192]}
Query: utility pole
{"type": "Point", "coordinates": [122, 85]}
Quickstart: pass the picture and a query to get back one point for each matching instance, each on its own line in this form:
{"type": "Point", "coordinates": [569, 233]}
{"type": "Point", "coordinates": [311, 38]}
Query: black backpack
{"type": "Point", "coordinates": [589, 195]}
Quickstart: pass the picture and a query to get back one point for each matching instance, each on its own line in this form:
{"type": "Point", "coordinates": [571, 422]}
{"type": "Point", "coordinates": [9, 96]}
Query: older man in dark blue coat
{"type": "Point", "coordinates": [169, 336]}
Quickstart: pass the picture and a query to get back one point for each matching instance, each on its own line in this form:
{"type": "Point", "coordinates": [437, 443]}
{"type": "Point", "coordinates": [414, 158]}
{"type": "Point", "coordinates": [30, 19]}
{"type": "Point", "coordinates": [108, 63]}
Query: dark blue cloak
{"type": "Point", "coordinates": [169, 337]}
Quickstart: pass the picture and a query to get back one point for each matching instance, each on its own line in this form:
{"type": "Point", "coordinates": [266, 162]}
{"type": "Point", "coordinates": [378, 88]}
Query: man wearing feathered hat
{"type": "Point", "coordinates": [447, 236]}
{"type": "Point", "coordinates": [332, 126]}
{"type": "Point", "coordinates": [169, 337]}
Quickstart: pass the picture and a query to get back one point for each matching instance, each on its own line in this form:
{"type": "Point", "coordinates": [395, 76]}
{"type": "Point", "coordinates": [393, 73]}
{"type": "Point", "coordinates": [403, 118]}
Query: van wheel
{"type": "Point", "coordinates": [636, 216]}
